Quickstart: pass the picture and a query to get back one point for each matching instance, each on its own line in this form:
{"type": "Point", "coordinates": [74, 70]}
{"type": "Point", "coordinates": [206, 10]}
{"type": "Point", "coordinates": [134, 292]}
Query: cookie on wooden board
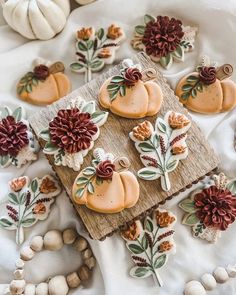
{"type": "Point", "coordinates": [128, 95]}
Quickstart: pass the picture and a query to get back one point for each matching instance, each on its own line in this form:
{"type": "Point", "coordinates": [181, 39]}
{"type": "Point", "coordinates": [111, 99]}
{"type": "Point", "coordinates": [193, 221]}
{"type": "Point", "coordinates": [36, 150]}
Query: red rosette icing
{"type": "Point", "coordinates": [105, 170]}
{"type": "Point", "coordinates": [207, 75]}
{"type": "Point", "coordinates": [162, 36]}
{"type": "Point", "coordinates": [72, 130]}
{"type": "Point", "coordinates": [216, 207]}
{"type": "Point", "coordinates": [13, 136]}
{"type": "Point", "coordinates": [132, 76]}
{"type": "Point", "coordinates": [41, 72]}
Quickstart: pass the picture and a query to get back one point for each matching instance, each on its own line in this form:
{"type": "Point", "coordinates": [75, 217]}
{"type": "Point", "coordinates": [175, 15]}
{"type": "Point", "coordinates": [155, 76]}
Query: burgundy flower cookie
{"type": "Point", "coordinates": [211, 209]}
{"type": "Point", "coordinates": [164, 39]}
{"type": "Point", "coordinates": [72, 132]}
{"type": "Point", "coordinates": [17, 144]}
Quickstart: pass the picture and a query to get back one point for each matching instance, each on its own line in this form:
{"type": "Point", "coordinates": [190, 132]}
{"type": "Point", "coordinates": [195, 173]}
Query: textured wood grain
{"type": "Point", "coordinates": [114, 138]}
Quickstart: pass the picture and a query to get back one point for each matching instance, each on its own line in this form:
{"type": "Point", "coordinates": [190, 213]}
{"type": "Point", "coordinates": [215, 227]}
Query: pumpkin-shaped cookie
{"type": "Point", "coordinates": [128, 96]}
{"type": "Point", "coordinates": [44, 85]}
{"type": "Point", "coordinates": [107, 186]}
{"type": "Point", "coordinates": [209, 90]}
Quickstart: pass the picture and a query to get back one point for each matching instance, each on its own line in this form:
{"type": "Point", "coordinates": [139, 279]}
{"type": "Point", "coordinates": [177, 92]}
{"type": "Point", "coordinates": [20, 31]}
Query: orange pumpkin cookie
{"type": "Point", "coordinates": [44, 84]}
{"type": "Point", "coordinates": [209, 90]}
{"type": "Point", "coordinates": [128, 96]}
{"type": "Point", "coordinates": [107, 186]}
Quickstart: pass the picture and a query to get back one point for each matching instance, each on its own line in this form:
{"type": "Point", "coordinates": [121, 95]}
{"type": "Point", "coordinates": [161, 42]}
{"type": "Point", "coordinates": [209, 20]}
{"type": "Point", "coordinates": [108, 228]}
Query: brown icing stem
{"type": "Point", "coordinates": [149, 74]}
{"type": "Point", "coordinates": [57, 67]}
{"type": "Point", "coordinates": [223, 72]}
{"type": "Point", "coordinates": [121, 164]}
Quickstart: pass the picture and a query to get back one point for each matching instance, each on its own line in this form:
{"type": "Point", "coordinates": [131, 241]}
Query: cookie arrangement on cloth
{"type": "Point", "coordinates": [211, 209]}
{"type": "Point", "coordinates": [96, 48]}
{"type": "Point", "coordinates": [209, 90]}
{"type": "Point", "coordinates": [107, 186]}
{"type": "Point", "coordinates": [53, 240]}
{"type": "Point", "coordinates": [129, 95]}
{"type": "Point", "coordinates": [164, 39]}
{"type": "Point", "coordinates": [45, 84]}
{"type": "Point", "coordinates": [72, 132]}
{"type": "Point", "coordinates": [17, 143]}
{"type": "Point", "coordinates": [36, 19]}
{"type": "Point", "coordinates": [150, 244]}
{"type": "Point", "coordinates": [28, 202]}
{"type": "Point", "coordinates": [209, 281]}
{"type": "Point", "coordinates": [161, 147]}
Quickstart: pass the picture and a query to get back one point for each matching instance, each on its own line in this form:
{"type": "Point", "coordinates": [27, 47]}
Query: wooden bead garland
{"type": "Point", "coordinates": [59, 285]}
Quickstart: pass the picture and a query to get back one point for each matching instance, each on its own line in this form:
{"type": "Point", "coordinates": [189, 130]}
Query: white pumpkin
{"type": "Point", "coordinates": [36, 19]}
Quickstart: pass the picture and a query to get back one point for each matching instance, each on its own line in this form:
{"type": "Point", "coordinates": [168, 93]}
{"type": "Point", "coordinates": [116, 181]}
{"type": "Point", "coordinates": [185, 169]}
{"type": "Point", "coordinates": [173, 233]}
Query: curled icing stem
{"type": "Point", "coordinates": [149, 74]}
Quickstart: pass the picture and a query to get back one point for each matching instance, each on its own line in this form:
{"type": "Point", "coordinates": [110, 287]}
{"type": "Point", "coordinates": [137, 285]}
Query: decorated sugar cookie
{"type": "Point", "coordinates": [45, 84]}
{"type": "Point", "coordinates": [96, 48]}
{"type": "Point", "coordinates": [150, 244]}
{"type": "Point", "coordinates": [71, 134]}
{"type": "Point", "coordinates": [161, 147]}
{"type": "Point", "coordinates": [209, 90]}
{"type": "Point", "coordinates": [164, 39]}
{"type": "Point", "coordinates": [17, 144]}
{"type": "Point", "coordinates": [28, 202]}
{"type": "Point", "coordinates": [107, 186]}
{"type": "Point", "coordinates": [211, 209]}
{"type": "Point", "coordinates": [128, 95]}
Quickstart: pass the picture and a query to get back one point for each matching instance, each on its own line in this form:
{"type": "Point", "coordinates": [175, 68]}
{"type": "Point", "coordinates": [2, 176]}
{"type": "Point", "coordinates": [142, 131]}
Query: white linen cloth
{"type": "Point", "coordinates": [217, 29]}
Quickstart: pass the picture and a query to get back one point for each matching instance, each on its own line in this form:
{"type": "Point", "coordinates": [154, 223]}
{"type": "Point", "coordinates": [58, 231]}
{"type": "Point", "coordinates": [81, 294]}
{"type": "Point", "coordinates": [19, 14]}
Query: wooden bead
{"type": "Point", "coordinates": [36, 243]}
{"type": "Point", "coordinates": [90, 262]}
{"type": "Point", "coordinates": [53, 240]}
{"type": "Point", "coordinates": [17, 287]}
{"type": "Point", "coordinates": [19, 274]}
{"type": "Point", "coordinates": [86, 254]}
{"type": "Point", "coordinates": [221, 275]}
{"type": "Point", "coordinates": [80, 244]}
{"type": "Point", "coordinates": [58, 286]}
{"type": "Point", "coordinates": [26, 253]}
{"type": "Point", "coordinates": [73, 280]}
{"type": "Point", "coordinates": [30, 289]}
{"type": "Point", "coordinates": [19, 263]}
{"type": "Point", "coordinates": [41, 289]}
{"type": "Point", "coordinates": [84, 273]}
{"type": "Point", "coordinates": [69, 236]}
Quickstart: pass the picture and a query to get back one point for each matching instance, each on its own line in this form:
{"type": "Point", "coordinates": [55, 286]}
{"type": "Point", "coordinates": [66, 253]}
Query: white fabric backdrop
{"type": "Point", "coordinates": [217, 29]}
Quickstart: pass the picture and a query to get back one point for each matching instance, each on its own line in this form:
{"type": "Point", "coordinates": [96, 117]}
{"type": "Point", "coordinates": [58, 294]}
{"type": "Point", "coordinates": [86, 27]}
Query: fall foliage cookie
{"type": "Point", "coordinates": [45, 84]}
{"type": "Point", "coordinates": [161, 147]}
{"type": "Point", "coordinates": [107, 186]}
{"type": "Point", "coordinates": [96, 48]}
{"type": "Point", "coordinates": [164, 39]}
{"type": "Point", "coordinates": [127, 95]}
{"type": "Point", "coordinates": [209, 90]}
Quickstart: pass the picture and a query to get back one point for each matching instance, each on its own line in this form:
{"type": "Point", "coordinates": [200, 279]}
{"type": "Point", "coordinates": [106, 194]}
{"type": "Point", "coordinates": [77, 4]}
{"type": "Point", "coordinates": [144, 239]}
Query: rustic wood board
{"type": "Point", "coordinates": [114, 138]}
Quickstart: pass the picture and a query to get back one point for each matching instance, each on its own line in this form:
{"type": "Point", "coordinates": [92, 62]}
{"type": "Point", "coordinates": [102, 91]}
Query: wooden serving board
{"type": "Point", "coordinates": [114, 138]}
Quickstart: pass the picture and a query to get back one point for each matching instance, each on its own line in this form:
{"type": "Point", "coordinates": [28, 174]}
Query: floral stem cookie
{"type": "Point", "coordinates": [209, 90]}
{"type": "Point", "coordinates": [17, 144]}
{"type": "Point", "coordinates": [211, 208]}
{"type": "Point", "coordinates": [71, 134]}
{"type": "Point", "coordinates": [150, 244]}
{"type": "Point", "coordinates": [164, 39]}
{"type": "Point", "coordinates": [96, 48]}
{"type": "Point", "coordinates": [28, 202]}
{"type": "Point", "coordinates": [45, 84]}
{"type": "Point", "coordinates": [107, 186]}
{"type": "Point", "coordinates": [161, 147]}
{"type": "Point", "coordinates": [128, 95]}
